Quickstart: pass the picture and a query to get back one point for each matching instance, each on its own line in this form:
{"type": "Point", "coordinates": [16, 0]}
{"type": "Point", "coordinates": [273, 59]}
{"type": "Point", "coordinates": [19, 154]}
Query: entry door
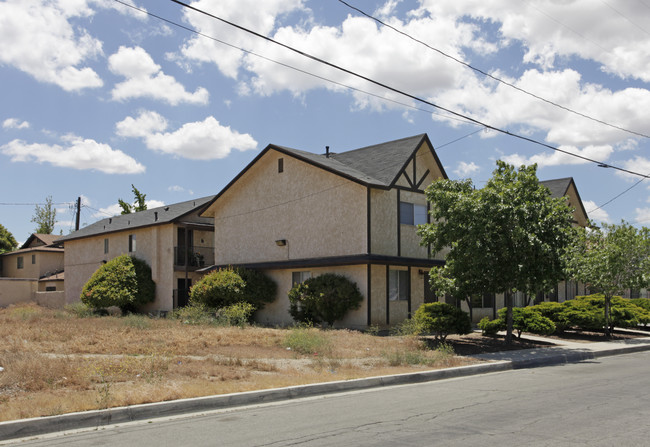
{"type": "Point", "coordinates": [429, 295]}
{"type": "Point", "coordinates": [183, 291]}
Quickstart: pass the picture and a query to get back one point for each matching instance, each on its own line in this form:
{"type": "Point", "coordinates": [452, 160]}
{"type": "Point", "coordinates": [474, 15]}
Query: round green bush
{"type": "Point", "coordinates": [259, 290]}
{"type": "Point", "coordinates": [442, 319]}
{"type": "Point", "coordinates": [124, 281]}
{"type": "Point", "coordinates": [218, 289]}
{"type": "Point", "coordinates": [325, 298]}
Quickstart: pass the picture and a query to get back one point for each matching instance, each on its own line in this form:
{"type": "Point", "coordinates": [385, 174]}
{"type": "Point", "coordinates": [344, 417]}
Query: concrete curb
{"type": "Point", "coordinates": [97, 418]}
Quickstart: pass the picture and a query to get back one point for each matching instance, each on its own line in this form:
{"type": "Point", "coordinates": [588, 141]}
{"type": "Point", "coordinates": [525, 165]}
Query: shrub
{"type": "Point", "coordinates": [325, 298]}
{"type": "Point", "coordinates": [194, 313]}
{"type": "Point", "coordinates": [491, 327]}
{"type": "Point", "coordinates": [124, 282]}
{"type": "Point", "coordinates": [442, 319]}
{"type": "Point", "coordinates": [218, 289]}
{"type": "Point", "coordinates": [554, 312]}
{"type": "Point", "coordinates": [236, 314]}
{"type": "Point", "coordinates": [529, 319]}
{"type": "Point", "coordinates": [259, 290]}
{"type": "Point", "coordinates": [307, 340]}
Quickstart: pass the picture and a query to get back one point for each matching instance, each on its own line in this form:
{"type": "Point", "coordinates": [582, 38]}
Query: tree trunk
{"type": "Point", "coordinates": [608, 300]}
{"type": "Point", "coordinates": [508, 298]}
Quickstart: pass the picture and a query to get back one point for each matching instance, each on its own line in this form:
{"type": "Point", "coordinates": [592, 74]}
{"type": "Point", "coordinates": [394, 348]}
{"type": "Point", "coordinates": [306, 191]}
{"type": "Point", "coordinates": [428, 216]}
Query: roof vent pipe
{"type": "Point", "coordinates": [155, 215]}
{"type": "Point", "coordinates": [327, 152]}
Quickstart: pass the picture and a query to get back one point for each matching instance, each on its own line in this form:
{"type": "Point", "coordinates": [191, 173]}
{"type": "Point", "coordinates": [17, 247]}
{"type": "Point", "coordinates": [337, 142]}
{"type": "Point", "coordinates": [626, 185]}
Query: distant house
{"type": "Point", "coordinates": [37, 266]}
{"type": "Point", "coordinates": [296, 214]}
{"type": "Point", "coordinates": [173, 239]}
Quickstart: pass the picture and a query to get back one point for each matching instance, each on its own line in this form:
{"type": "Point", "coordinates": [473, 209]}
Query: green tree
{"type": "Point", "coordinates": [510, 235]}
{"type": "Point", "coordinates": [442, 319]}
{"type": "Point", "coordinates": [325, 298]}
{"type": "Point", "coordinates": [610, 260]}
{"type": "Point", "coordinates": [139, 203]}
{"type": "Point", "coordinates": [44, 217]}
{"type": "Point", "coordinates": [218, 289]}
{"type": "Point", "coordinates": [7, 240]}
{"type": "Point", "coordinates": [124, 282]}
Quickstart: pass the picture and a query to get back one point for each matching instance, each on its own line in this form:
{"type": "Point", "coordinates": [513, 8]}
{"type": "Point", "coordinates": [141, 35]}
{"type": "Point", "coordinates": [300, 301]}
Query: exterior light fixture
{"type": "Point", "coordinates": [281, 242]}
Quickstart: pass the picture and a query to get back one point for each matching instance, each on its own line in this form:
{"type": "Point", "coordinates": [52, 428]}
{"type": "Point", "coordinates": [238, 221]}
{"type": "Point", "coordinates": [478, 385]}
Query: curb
{"type": "Point", "coordinates": [97, 418]}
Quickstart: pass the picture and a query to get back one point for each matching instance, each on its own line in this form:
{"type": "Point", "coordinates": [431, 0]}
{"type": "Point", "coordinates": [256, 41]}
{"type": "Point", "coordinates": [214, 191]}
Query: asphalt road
{"type": "Point", "coordinates": [604, 402]}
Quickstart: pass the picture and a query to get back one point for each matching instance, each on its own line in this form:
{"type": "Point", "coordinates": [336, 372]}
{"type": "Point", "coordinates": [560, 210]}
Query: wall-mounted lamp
{"type": "Point", "coordinates": [423, 272]}
{"type": "Point", "coordinates": [281, 242]}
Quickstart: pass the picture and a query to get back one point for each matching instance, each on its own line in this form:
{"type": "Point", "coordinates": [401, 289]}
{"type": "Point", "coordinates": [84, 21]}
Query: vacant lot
{"type": "Point", "coordinates": [55, 362]}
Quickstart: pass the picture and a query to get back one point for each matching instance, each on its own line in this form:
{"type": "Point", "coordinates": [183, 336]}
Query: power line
{"type": "Point", "coordinates": [408, 95]}
{"type": "Point", "coordinates": [616, 197]}
{"type": "Point", "coordinates": [291, 67]}
{"type": "Point", "coordinates": [485, 73]}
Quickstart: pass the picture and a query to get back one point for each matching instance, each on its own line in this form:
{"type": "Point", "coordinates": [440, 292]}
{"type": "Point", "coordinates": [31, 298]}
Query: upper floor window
{"type": "Point", "coordinates": [412, 214]}
{"type": "Point", "coordinates": [280, 164]}
{"type": "Point", "coordinates": [33, 259]}
{"type": "Point", "coordinates": [106, 246]}
{"type": "Point", "coordinates": [19, 262]}
{"type": "Point", "coordinates": [131, 242]}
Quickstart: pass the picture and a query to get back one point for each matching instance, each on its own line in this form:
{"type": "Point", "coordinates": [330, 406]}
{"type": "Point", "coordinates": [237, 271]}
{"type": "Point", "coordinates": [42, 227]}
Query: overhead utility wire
{"type": "Point", "coordinates": [252, 53]}
{"type": "Point", "coordinates": [408, 95]}
{"type": "Point", "coordinates": [616, 197]}
{"type": "Point", "coordinates": [484, 73]}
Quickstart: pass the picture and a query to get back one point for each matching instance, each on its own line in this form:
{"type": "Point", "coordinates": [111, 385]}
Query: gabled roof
{"type": "Point", "coordinates": [154, 216]}
{"type": "Point", "coordinates": [40, 239]}
{"type": "Point", "coordinates": [560, 187]}
{"type": "Point", "coordinates": [379, 165]}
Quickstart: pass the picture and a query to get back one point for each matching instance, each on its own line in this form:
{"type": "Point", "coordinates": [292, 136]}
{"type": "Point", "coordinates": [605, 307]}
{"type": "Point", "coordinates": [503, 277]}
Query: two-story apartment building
{"type": "Point", "coordinates": [173, 239]}
{"type": "Point", "coordinates": [37, 266]}
{"type": "Point", "coordinates": [296, 214]}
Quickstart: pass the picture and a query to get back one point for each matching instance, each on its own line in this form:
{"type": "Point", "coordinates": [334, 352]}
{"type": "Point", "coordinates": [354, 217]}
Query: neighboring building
{"type": "Point", "coordinates": [31, 269]}
{"type": "Point", "coordinates": [296, 214]}
{"type": "Point", "coordinates": [172, 239]}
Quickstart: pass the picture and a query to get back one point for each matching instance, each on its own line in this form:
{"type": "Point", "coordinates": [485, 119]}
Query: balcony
{"type": "Point", "coordinates": [193, 258]}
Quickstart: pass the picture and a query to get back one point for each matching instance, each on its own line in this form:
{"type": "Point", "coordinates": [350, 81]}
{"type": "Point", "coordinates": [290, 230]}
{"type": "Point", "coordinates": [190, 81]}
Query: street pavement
{"type": "Point", "coordinates": [564, 352]}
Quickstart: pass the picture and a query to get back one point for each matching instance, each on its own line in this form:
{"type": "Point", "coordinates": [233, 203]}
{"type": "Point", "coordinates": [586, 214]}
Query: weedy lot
{"type": "Point", "coordinates": [55, 362]}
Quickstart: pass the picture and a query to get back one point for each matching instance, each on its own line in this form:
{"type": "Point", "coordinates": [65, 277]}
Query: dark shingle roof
{"type": "Point", "coordinates": [153, 216]}
{"type": "Point", "coordinates": [559, 186]}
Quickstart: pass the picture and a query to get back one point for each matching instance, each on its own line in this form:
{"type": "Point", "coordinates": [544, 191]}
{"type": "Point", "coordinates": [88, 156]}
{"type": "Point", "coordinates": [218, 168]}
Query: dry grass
{"type": "Point", "coordinates": [56, 363]}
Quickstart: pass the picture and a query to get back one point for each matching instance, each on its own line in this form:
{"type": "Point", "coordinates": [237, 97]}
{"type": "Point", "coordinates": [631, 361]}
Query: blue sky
{"type": "Point", "coordinates": [96, 96]}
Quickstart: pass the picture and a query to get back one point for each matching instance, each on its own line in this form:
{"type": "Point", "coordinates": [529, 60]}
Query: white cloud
{"type": "Point", "coordinates": [556, 158]}
{"type": "Point", "coordinates": [597, 215]}
{"type": "Point", "coordinates": [642, 216]}
{"type": "Point", "coordinates": [637, 164]}
{"type": "Point", "coordinates": [465, 169]}
{"type": "Point", "coordinates": [37, 38]}
{"type": "Point", "coordinates": [144, 79]}
{"type": "Point", "coordinates": [78, 153]}
{"type": "Point", "coordinates": [15, 123]}
{"type": "Point", "coordinates": [178, 188]}
{"type": "Point", "coordinates": [200, 140]}
{"type": "Point", "coordinates": [115, 209]}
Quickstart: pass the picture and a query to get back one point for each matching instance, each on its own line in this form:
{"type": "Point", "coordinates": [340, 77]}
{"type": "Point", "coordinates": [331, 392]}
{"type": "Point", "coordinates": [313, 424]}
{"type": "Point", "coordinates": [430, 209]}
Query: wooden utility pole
{"type": "Point", "coordinates": [76, 224]}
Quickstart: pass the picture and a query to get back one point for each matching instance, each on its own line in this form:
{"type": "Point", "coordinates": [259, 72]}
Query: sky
{"type": "Point", "coordinates": [100, 95]}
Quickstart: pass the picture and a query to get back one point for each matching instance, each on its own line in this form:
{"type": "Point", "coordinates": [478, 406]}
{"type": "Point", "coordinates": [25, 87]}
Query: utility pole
{"type": "Point", "coordinates": [76, 224]}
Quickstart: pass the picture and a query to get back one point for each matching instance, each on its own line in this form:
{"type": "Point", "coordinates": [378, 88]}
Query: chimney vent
{"type": "Point", "coordinates": [327, 152]}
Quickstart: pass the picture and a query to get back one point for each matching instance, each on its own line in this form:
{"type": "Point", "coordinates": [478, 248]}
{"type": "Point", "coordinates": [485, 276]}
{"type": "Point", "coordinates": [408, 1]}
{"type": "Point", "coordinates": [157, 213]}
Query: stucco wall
{"type": "Point", "coordinates": [319, 214]}
{"type": "Point", "coordinates": [574, 203]}
{"type": "Point", "coordinates": [277, 313]}
{"type": "Point", "coordinates": [383, 212]}
{"type": "Point", "coordinates": [14, 290]}
{"type": "Point", "coordinates": [153, 245]}
{"type": "Point", "coordinates": [45, 262]}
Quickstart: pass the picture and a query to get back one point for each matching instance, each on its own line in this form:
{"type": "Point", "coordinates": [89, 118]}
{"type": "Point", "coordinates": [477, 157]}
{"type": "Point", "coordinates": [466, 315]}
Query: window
{"type": "Point", "coordinates": [412, 214]}
{"type": "Point", "coordinates": [19, 262]}
{"type": "Point", "coordinates": [106, 246]}
{"type": "Point", "coordinates": [484, 301]}
{"type": "Point", "coordinates": [280, 164]}
{"type": "Point", "coordinates": [635, 293]}
{"type": "Point", "coordinates": [50, 288]}
{"type": "Point", "coordinates": [398, 285]}
{"type": "Point", "coordinates": [131, 242]}
{"type": "Point", "coordinates": [299, 277]}
{"type": "Point", "coordinates": [33, 259]}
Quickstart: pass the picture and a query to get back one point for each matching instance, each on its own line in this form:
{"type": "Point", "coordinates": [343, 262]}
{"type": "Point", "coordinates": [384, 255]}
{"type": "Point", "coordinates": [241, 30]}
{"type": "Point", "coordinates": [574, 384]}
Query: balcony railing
{"type": "Point", "coordinates": [193, 257]}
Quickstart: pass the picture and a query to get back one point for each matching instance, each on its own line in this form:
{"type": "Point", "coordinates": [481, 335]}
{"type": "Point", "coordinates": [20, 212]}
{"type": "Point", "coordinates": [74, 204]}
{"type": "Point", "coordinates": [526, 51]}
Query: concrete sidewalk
{"type": "Point", "coordinates": [563, 352]}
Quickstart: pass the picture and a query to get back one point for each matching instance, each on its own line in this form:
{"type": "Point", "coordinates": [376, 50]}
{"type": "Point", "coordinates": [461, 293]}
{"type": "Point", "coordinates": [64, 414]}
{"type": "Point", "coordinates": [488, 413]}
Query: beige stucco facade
{"type": "Point", "coordinates": [32, 262]}
{"type": "Point", "coordinates": [284, 214]}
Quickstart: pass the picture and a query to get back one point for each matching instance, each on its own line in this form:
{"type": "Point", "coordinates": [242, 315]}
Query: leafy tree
{"type": "Point", "coordinates": [7, 240]}
{"type": "Point", "coordinates": [124, 282]}
{"type": "Point", "coordinates": [510, 235]}
{"type": "Point", "coordinates": [218, 289]}
{"type": "Point", "coordinates": [442, 319]}
{"type": "Point", "coordinates": [325, 298]}
{"type": "Point", "coordinates": [610, 260]}
{"type": "Point", "coordinates": [259, 290]}
{"type": "Point", "coordinates": [44, 217]}
{"type": "Point", "coordinates": [139, 203]}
